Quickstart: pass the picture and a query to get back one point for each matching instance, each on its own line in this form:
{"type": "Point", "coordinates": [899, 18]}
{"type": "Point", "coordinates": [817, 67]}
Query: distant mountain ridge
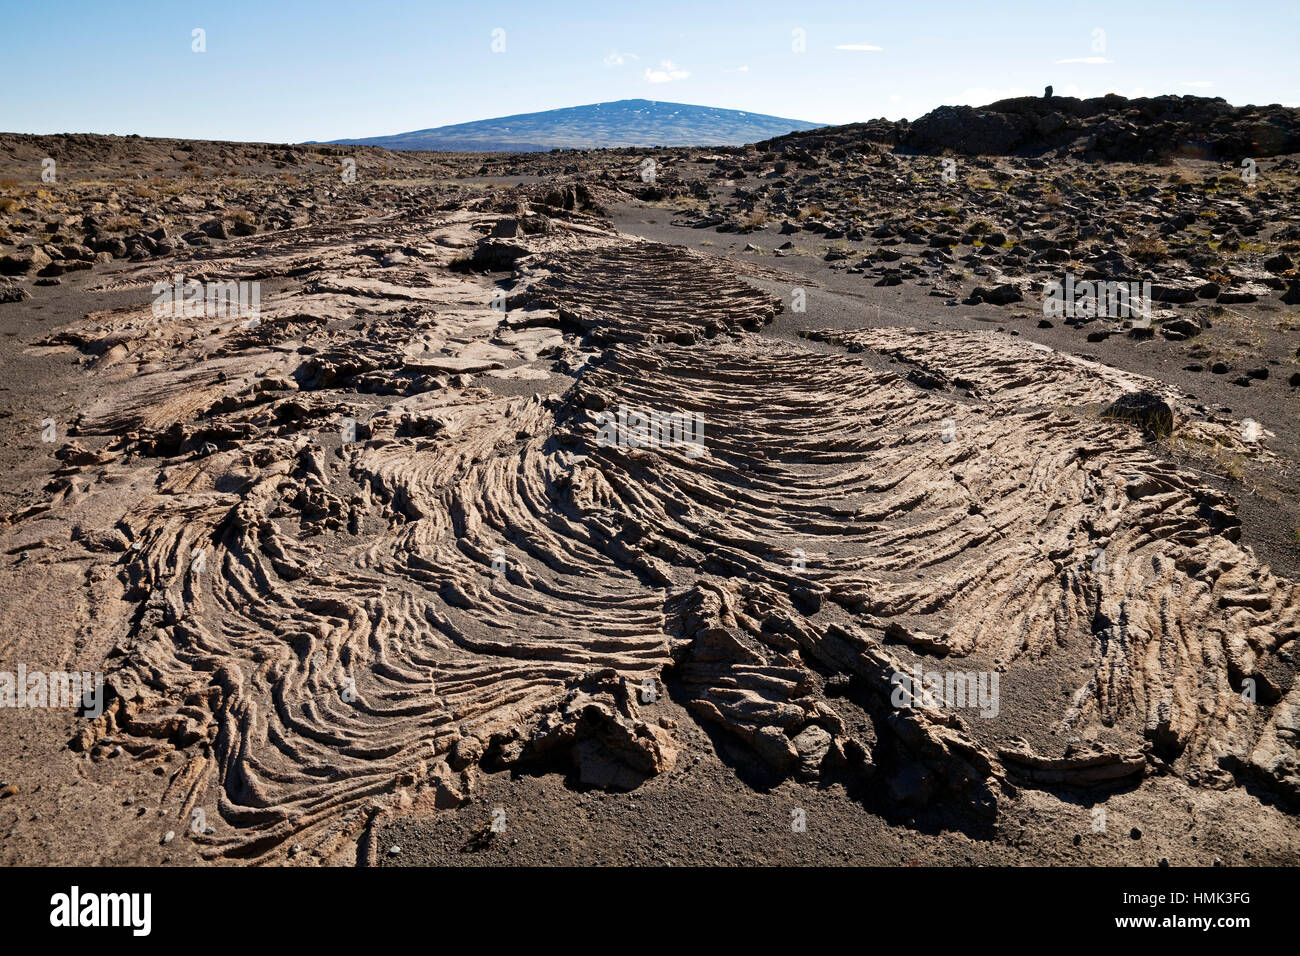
{"type": "Point", "coordinates": [598, 125]}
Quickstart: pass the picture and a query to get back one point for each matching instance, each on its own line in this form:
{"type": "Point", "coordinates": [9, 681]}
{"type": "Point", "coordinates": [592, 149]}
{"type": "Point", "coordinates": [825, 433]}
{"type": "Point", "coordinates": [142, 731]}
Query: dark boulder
{"type": "Point", "coordinates": [1145, 409]}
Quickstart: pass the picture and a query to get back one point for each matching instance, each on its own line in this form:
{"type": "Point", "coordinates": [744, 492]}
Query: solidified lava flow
{"type": "Point", "coordinates": [351, 556]}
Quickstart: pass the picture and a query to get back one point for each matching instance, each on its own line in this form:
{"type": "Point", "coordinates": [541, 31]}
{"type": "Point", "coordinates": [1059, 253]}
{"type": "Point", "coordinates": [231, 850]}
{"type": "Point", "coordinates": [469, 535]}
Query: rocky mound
{"type": "Point", "coordinates": [1110, 127]}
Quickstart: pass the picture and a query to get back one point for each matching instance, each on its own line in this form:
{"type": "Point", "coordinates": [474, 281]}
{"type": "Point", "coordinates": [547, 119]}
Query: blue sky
{"type": "Point", "coordinates": [295, 71]}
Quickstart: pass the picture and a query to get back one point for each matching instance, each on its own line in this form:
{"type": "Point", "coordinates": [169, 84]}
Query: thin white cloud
{"type": "Point", "coordinates": [1197, 84]}
{"type": "Point", "coordinates": [668, 72]}
{"type": "Point", "coordinates": [739, 69]}
{"type": "Point", "coordinates": [614, 58]}
{"type": "Point", "coordinates": [860, 47]}
{"type": "Point", "coordinates": [1093, 60]}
